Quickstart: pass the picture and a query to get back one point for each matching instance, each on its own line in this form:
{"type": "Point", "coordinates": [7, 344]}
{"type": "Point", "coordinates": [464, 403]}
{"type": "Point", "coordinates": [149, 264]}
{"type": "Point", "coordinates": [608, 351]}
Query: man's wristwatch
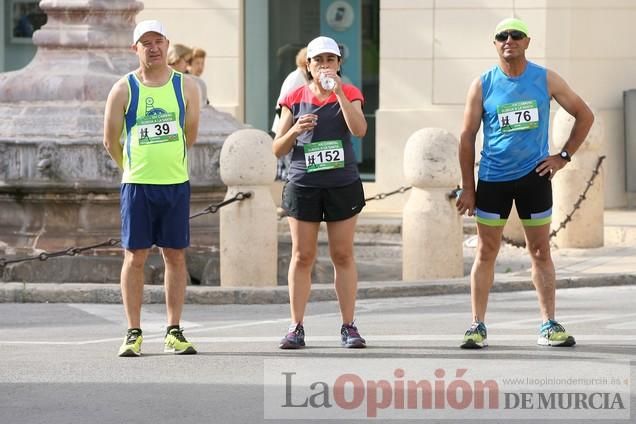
{"type": "Point", "coordinates": [565, 155]}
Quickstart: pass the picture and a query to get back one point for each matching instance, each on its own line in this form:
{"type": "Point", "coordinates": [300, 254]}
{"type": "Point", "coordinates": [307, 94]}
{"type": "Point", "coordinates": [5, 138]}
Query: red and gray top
{"type": "Point", "coordinates": [331, 125]}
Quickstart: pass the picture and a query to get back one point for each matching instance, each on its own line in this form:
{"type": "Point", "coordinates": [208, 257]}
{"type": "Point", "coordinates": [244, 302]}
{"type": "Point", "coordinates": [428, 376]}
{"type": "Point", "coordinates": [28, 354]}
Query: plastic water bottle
{"type": "Point", "coordinates": [327, 83]}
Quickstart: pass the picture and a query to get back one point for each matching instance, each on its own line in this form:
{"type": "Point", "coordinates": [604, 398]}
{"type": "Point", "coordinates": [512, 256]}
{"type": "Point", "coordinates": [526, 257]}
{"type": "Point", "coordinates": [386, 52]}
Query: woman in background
{"type": "Point", "coordinates": [178, 57]}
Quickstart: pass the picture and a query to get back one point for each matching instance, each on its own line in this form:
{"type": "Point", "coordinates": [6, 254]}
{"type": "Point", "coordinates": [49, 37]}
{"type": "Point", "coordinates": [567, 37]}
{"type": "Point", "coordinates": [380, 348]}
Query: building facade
{"type": "Point", "coordinates": [413, 59]}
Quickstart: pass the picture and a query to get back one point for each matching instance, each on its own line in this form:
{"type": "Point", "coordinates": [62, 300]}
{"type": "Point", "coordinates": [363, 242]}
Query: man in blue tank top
{"type": "Point", "coordinates": [513, 101]}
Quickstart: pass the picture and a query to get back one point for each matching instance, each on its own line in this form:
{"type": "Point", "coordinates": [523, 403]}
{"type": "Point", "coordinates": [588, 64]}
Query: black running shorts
{"type": "Point", "coordinates": [323, 204]}
{"type": "Point", "coordinates": [531, 193]}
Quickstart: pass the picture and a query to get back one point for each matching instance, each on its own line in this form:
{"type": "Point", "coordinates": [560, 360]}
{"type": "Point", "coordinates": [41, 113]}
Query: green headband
{"type": "Point", "coordinates": [512, 23]}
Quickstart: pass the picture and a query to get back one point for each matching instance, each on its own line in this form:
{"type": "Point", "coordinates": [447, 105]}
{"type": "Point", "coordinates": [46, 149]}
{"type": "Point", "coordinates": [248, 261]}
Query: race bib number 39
{"type": "Point", "coordinates": [157, 129]}
{"type": "Point", "coordinates": [323, 155]}
{"type": "Point", "coordinates": [518, 116]}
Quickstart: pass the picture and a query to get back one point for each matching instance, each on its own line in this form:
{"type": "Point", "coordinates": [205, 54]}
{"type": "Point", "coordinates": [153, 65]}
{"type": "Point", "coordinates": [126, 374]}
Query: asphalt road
{"type": "Point", "coordinates": [58, 362]}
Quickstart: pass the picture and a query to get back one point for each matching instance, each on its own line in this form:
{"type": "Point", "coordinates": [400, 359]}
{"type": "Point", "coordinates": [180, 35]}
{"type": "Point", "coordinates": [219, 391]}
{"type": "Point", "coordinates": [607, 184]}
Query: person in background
{"type": "Point", "coordinates": [157, 111]}
{"type": "Point", "coordinates": [179, 56]}
{"type": "Point", "coordinates": [197, 62]}
{"type": "Point", "coordinates": [323, 184]}
{"type": "Point", "coordinates": [293, 80]}
{"type": "Point", "coordinates": [513, 101]}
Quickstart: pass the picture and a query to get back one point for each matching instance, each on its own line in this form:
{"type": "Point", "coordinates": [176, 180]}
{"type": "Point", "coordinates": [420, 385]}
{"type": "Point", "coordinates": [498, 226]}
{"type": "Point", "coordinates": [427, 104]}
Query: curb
{"type": "Point", "coordinates": [110, 293]}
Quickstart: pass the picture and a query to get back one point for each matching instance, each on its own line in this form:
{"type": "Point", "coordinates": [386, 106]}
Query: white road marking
{"type": "Point", "coordinates": [627, 325]}
{"type": "Point", "coordinates": [157, 336]}
{"type": "Point", "coordinates": [115, 314]}
{"type": "Point", "coordinates": [587, 338]}
{"type": "Point", "coordinates": [565, 319]}
{"type": "Point", "coordinates": [156, 321]}
{"type": "Point", "coordinates": [417, 302]}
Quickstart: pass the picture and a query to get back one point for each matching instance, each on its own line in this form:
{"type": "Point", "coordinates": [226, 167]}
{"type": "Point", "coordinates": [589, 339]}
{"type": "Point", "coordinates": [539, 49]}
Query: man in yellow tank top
{"type": "Point", "coordinates": [157, 111]}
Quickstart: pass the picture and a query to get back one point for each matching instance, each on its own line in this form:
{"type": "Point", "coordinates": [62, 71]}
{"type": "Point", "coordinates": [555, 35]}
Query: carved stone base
{"type": "Point", "coordinates": [58, 220]}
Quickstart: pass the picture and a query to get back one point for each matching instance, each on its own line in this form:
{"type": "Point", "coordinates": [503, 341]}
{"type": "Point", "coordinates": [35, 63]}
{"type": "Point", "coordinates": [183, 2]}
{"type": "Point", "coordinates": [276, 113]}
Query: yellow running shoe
{"type": "Point", "coordinates": [176, 343]}
{"type": "Point", "coordinates": [552, 333]}
{"type": "Point", "coordinates": [476, 337]}
{"type": "Point", "coordinates": [132, 343]}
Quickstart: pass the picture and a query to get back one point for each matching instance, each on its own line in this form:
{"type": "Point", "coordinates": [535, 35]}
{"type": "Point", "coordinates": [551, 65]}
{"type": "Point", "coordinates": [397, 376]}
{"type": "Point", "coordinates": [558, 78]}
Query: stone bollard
{"type": "Point", "coordinates": [587, 225]}
{"type": "Point", "coordinates": [432, 230]}
{"type": "Point", "coordinates": [248, 240]}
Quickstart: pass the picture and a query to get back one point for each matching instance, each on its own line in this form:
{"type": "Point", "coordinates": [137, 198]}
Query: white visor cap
{"type": "Point", "coordinates": [321, 45]}
{"type": "Point", "coordinates": [148, 26]}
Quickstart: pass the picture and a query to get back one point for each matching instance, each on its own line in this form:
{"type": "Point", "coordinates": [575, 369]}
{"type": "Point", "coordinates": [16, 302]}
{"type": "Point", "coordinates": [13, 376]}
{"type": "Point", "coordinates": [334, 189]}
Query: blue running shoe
{"type": "Point", "coordinates": [475, 337]}
{"type": "Point", "coordinates": [552, 333]}
{"type": "Point", "coordinates": [350, 337]}
{"type": "Point", "coordinates": [295, 338]}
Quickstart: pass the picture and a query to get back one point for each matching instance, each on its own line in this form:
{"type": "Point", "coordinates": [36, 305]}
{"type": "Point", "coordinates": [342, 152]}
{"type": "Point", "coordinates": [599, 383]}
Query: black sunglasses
{"type": "Point", "coordinates": [503, 35]}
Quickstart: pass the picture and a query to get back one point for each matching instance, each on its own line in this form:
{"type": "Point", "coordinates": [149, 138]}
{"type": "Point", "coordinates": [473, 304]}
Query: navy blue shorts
{"type": "Point", "coordinates": [155, 214]}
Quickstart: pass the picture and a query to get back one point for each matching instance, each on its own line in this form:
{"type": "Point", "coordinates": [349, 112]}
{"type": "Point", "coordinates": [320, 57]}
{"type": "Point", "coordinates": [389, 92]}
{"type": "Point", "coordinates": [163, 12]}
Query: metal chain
{"type": "Point", "coordinates": [215, 208]}
{"type": "Point", "coordinates": [568, 217]}
{"type": "Point", "coordinates": [71, 251]}
{"type": "Point", "coordinates": [381, 196]}
{"type": "Point", "coordinates": [74, 251]}
{"type": "Point", "coordinates": [453, 194]}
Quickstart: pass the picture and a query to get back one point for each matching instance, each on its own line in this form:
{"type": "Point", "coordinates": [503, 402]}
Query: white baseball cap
{"type": "Point", "coordinates": [148, 26]}
{"type": "Point", "coordinates": [321, 45]}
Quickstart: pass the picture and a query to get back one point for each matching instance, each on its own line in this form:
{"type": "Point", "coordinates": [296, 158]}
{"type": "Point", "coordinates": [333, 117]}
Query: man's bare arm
{"type": "Point", "coordinates": [575, 106]}
{"type": "Point", "coordinates": [114, 116]}
{"type": "Point", "coordinates": [193, 110]}
{"type": "Point", "coordinates": [472, 121]}
{"type": "Point", "coordinates": [583, 120]}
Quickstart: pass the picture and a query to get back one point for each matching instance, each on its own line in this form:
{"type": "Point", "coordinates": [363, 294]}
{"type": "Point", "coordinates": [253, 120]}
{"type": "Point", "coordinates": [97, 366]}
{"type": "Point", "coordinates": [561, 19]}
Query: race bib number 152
{"type": "Point", "coordinates": [324, 155]}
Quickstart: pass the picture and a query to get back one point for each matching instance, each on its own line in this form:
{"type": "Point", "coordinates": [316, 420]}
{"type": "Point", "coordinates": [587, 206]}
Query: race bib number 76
{"type": "Point", "coordinates": [518, 116]}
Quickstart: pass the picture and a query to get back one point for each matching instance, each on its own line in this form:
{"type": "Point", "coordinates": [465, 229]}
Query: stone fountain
{"type": "Point", "coordinates": [58, 186]}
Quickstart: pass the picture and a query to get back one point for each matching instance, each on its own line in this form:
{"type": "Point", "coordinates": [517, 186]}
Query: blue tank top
{"type": "Point", "coordinates": [516, 116]}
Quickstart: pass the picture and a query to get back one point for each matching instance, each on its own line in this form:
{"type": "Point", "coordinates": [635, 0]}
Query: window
{"type": "Point", "coordinates": [293, 23]}
{"type": "Point", "coordinates": [26, 17]}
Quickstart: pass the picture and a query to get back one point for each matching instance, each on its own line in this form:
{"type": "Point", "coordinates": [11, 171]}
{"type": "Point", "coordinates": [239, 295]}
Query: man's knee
{"type": "Point", "coordinates": [487, 249]}
{"type": "Point", "coordinates": [539, 252]}
{"type": "Point", "coordinates": [173, 257]}
{"type": "Point", "coordinates": [135, 258]}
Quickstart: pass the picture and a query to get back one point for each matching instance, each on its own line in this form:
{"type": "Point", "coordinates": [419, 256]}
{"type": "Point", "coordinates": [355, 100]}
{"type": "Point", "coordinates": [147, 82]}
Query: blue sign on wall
{"type": "Point", "coordinates": [340, 20]}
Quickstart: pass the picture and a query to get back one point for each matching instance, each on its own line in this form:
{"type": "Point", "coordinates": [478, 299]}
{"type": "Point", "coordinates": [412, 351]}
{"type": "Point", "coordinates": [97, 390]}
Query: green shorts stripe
{"type": "Point", "coordinates": [491, 222]}
{"type": "Point", "coordinates": [536, 222]}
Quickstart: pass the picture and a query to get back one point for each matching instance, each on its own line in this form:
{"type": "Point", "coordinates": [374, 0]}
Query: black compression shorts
{"type": "Point", "coordinates": [532, 195]}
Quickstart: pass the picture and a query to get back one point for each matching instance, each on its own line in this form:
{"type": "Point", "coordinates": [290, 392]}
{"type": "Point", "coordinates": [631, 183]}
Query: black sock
{"type": "Point", "coordinates": [171, 327]}
{"type": "Point", "coordinates": [135, 329]}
